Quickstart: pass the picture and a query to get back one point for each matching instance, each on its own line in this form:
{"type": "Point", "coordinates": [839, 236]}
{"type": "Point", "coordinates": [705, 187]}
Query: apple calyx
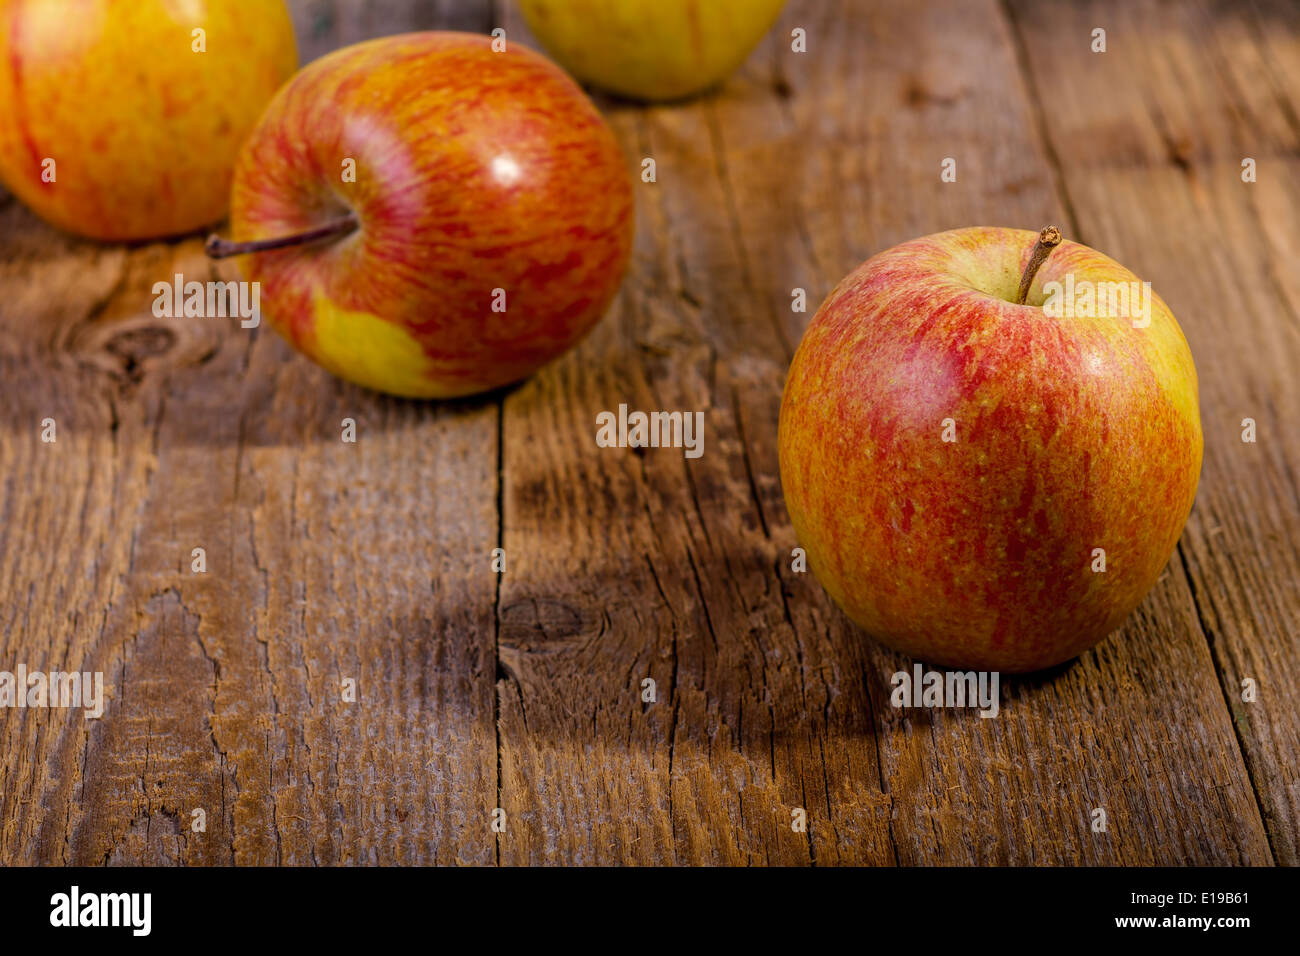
{"type": "Point", "coordinates": [218, 248]}
{"type": "Point", "coordinates": [1049, 237]}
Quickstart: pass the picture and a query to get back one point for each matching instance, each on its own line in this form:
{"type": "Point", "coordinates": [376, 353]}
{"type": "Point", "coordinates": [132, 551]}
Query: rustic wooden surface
{"type": "Point", "coordinates": [329, 561]}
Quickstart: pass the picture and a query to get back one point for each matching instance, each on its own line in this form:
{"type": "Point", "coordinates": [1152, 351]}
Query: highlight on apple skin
{"type": "Point", "coordinates": [487, 230]}
{"type": "Point", "coordinates": [978, 483]}
{"type": "Point", "coordinates": [119, 121]}
{"type": "Point", "coordinates": [654, 50]}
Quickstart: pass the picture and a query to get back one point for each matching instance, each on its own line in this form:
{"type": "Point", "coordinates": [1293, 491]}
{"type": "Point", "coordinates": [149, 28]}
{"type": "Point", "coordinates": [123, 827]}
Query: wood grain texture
{"type": "Point", "coordinates": [371, 561]}
{"type": "Point", "coordinates": [326, 562]}
{"type": "Point", "coordinates": [1172, 203]}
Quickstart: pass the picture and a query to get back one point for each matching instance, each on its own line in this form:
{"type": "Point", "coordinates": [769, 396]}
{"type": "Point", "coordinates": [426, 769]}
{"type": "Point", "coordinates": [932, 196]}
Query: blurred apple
{"type": "Point", "coordinates": [141, 125]}
{"type": "Point", "coordinates": [651, 49]}
{"type": "Point", "coordinates": [986, 479]}
{"type": "Point", "coordinates": [429, 217]}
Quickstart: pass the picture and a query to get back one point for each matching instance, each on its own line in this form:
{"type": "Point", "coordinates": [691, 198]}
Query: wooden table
{"type": "Point", "coordinates": [371, 562]}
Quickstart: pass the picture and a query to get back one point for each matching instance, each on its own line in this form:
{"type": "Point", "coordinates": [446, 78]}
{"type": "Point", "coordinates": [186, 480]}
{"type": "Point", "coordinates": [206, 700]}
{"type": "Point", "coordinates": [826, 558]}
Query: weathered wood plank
{"type": "Point", "coordinates": [775, 706]}
{"type": "Point", "coordinates": [325, 562]}
{"type": "Point", "coordinates": [660, 569]}
{"type": "Point", "coordinates": [942, 84]}
{"type": "Point", "coordinates": [1219, 88]}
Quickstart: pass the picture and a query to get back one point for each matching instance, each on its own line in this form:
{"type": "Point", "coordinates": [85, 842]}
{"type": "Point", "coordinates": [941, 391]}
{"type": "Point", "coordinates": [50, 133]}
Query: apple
{"type": "Point", "coordinates": [986, 454]}
{"type": "Point", "coordinates": [651, 49]}
{"type": "Point", "coordinates": [429, 217]}
{"type": "Point", "coordinates": [119, 121]}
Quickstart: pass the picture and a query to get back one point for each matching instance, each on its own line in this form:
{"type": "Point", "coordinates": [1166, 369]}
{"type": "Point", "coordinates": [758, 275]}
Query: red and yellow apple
{"type": "Point", "coordinates": [471, 213]}
{"type": "Point", "coordinates": [651, 49]}
{"type": "Point", "coordinates": [119, 121]}
{"type": "Point", "coordinates": [980, 483]}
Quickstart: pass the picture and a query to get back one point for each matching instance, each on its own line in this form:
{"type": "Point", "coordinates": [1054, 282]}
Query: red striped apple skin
{"type": "Point", "coordinates": [476, 171]}
{"type": "Point", "coordinates": [1072, 434]}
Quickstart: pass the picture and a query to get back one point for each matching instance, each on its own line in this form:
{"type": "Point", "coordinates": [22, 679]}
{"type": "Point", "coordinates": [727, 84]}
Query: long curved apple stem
{"type": "Point", "coordinates": [1048, 239]}
{"type": "Point", "coordinates": [218, 248]}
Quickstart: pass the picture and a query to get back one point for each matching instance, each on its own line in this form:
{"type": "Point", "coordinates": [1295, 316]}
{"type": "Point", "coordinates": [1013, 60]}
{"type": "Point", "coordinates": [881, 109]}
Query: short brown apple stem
{"type": "Point", "coordinates": [218, 248]}
{"type": "Point", "coordinates": [1048, 239]}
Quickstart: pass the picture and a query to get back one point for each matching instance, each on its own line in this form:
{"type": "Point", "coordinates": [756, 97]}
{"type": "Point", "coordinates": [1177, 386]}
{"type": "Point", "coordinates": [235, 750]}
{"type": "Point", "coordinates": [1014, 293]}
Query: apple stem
{"type": "Point", "coordinates": [1048, 239]}
{"type": "Point", "coordinates": [218, 248]}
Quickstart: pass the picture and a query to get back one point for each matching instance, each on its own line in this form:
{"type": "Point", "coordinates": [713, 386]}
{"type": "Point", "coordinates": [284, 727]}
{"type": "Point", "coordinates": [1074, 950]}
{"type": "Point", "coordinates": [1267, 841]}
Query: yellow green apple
{"type": "Point", "coordinates": [651, 49]}
{"type": "Point", "coordinates": [985, 477]}
{"type": "Point", "coordinates": [121, 119]}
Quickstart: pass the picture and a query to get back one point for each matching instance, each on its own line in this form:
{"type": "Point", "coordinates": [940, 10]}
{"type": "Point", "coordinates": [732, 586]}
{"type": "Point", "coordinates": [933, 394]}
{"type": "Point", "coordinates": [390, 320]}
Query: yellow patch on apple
{"type": "Point", "coordinates": [369, 351]}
